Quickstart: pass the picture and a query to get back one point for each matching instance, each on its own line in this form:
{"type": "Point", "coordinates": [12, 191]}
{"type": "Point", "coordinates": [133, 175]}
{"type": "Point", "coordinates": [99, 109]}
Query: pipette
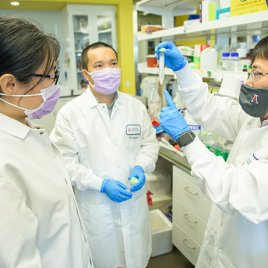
{"type": "Point", "coordinates": [161, 65]}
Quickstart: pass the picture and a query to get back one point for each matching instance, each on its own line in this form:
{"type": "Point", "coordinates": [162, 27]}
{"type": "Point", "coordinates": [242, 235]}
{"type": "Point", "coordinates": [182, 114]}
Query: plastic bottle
{"type": "Point", "coordinates": [242, 51]}
{"type": "Point", "coordinates": [225, 61]}
{"type": "Point", "coordinates": [235, 62]}
{"type": "Point", "coordinates": [209, 59]}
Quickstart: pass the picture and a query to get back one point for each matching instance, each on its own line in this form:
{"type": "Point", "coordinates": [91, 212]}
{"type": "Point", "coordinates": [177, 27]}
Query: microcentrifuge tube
{"type": "Point", "coordinates": [161, 65]}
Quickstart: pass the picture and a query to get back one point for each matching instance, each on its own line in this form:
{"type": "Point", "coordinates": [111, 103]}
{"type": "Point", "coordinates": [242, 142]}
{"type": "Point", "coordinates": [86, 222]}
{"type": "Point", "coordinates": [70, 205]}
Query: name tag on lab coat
{"type": "Point", "coordinates": [133, 129]}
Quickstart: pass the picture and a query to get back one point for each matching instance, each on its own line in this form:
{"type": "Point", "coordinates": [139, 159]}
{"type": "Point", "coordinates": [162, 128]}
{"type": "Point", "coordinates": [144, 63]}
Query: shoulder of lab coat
{"type": "Point", "coordinates": [18, 229]}
{"type": "Point", "coordinates": [221, 115]}
{"type": "Point", "coordinates": [233, 188]}
{"type": "Point", "coordinates": [149, 147]}
{"type": "Point", "coordinates": [62, 137]}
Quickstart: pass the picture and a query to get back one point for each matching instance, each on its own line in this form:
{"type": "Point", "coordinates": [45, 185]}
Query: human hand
{"type": "Point", "coordinates": [138, 173]}
{"type": "Point", "coordinates": [173, 58]}
{"type": "Point", "coordinates": [116, 190]}
{"type": "Point", "coordinates": [171, 119]}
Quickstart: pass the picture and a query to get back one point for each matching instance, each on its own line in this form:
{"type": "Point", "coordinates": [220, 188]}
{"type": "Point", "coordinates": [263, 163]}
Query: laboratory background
{"type": "Point", "coordinates": [215, 36]}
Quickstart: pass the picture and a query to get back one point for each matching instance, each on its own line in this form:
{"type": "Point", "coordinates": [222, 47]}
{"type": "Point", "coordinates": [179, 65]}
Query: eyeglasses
{"type": "Point", "coordinates": [55, 77]}
{"type": "Point", "coordinates": [254, 75]}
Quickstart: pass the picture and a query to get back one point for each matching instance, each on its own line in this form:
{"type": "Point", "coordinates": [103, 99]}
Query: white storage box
{"type": "Point", "coordinates": [161, 233]}
{"type": "Point", "coordinates": [159, 182]}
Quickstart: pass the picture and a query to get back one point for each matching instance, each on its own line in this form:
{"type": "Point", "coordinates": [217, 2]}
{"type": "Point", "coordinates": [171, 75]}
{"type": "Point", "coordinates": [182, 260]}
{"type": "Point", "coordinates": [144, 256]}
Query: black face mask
{"type": "Point", "coordinates": [254, 101]}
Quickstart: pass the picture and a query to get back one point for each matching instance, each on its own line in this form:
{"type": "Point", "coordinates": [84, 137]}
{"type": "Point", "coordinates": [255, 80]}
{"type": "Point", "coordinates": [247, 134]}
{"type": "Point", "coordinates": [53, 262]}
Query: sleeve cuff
{"type": "Point", "coordinates": [187, 77]}
{"type": "Point", "coordinates": [196, 151]}
{"type": "Point", "coordinates": [92, 182]}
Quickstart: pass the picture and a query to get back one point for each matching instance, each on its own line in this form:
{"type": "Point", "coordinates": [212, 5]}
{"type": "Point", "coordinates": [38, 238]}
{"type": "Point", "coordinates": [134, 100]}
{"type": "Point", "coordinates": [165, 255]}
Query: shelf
{"type": "Point", "coordinates": [79, 32]}
{"type": "Point", "coordinates": [161, 7]}
{"type": "Point", "coordinates": [249, 23]}
{"type": "Point", "coordinates": [142, 68]}
{"type": "Point", "coordinates": [104, 31]}
{"type": "Point", "coordinates": [217, 75]}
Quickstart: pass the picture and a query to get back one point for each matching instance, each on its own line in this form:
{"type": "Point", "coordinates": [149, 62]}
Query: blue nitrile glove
{"type": "Point", "coordinates": [172, 120]}
{"type": "Point", "coordinates": [173, 58]}
{"type": "Point", "coordinates": [116, 190]}
{"type": "Point", "coordinates": [138, 173]}
{"type": "Point", "coordinates": [158, 129]}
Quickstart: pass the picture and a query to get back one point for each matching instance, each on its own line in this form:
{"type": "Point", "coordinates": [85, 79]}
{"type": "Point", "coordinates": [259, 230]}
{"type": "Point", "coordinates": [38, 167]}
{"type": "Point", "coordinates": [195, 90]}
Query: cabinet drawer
{"type": "Point", "coordinates": [192, 225]}
{"type": "Point", "coordinates": [187, 193]}
{"type": "Point", "coordinates": [185, 244]}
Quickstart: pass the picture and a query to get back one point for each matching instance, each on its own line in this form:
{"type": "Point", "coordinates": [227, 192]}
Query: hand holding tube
{"type": "Point", "coordinates": [173, 58]}
{"type": "Point", "coordinates": [138, 173]}
{"type": "Point", "coordinates": [116, 190]}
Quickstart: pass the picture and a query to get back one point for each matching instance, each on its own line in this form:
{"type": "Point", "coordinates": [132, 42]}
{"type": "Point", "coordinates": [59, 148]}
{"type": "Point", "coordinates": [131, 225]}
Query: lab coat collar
{"type": "Point", "coordinates": [13, 127]}
{"type": "Point", "coordinates": [92, 101]}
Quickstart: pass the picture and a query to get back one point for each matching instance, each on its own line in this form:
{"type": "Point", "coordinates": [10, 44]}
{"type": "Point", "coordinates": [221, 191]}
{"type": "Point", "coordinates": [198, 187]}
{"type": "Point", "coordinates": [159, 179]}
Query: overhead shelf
{"type": "Point", "coordinates": [216, 75]}
{"type": "Point", "coordinates": [250, 23]}
{"type": "Point", "coordinates": [142, 68]}
{"type": "Point", "coordinates": [160, 7]}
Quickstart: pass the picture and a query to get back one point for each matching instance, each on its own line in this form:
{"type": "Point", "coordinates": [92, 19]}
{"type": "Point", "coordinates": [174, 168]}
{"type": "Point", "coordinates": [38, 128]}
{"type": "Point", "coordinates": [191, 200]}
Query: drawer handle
{"type": "Point", "coordinates": [186, 244]}
{"type": "Point", "coordinates": [186, 217]}
{"type": "Point", "coordinates": [187, 189]}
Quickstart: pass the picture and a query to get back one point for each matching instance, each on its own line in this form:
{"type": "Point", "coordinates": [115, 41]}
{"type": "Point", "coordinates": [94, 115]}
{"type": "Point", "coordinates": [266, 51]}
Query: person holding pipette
{"type": "Point", "coordinates": [237, 230]}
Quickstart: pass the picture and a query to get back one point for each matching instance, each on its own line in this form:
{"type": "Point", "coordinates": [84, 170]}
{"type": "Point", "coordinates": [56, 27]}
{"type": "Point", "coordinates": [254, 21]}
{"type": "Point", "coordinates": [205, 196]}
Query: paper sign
{"type": "Point", "coordinates": [240, 7]}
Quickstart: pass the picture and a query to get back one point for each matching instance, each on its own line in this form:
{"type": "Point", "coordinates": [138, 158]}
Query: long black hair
{"type": "Point", "coordinates": [24, 48]}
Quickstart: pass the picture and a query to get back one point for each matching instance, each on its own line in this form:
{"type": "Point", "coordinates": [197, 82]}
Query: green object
{"type": "Point", "coordinates": [133, 180]}
{"type": "Point", "coordinates": [218, 152]}
{"type": "Point", "coordinates": [162, 49]}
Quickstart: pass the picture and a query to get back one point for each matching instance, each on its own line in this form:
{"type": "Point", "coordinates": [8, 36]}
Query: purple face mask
{"type": "Point", "coordinates": [50, 96]}
{"type": "Point", "coordinates": [106, 81]}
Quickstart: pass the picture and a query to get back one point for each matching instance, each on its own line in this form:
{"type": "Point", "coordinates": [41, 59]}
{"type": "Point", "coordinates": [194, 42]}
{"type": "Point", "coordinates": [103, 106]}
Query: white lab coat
{"type": "Point", "coordinates": [39, 224]}
{"type": "Point", "coordinates": [237, 231]}
{"type": "Point", "coordinates": [94, 146]}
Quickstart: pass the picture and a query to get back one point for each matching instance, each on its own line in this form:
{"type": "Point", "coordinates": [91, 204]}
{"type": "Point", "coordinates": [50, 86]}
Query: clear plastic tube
{"type": "Point", "coordinates": [161, 65]}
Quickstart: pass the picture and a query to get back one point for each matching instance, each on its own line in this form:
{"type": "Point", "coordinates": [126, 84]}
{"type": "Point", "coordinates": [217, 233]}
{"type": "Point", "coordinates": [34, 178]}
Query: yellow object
{"type": "Point", "coordinates": [133, 180]}
{"type": "Point", "coordinates": [247, 6]}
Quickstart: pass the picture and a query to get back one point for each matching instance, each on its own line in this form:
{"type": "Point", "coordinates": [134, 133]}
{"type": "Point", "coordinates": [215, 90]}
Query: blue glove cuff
{"type": "Point", "coordinates": [140, 168]}
{"type": "Point", "coordinates": [180, 65]}
{"type": "Point", "coordinates": [103, 186]}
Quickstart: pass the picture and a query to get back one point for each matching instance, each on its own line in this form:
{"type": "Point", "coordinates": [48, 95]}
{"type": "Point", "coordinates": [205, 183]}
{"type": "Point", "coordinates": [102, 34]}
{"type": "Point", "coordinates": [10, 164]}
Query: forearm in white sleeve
{"type": "Point", "coordinates": [232, 188]}
{"type": "Point", "coordinates": [220, 115]}
{"type": "Point", "coordinates": [148, 154]}
{"type": "Point", "coordinates": [81, 176]}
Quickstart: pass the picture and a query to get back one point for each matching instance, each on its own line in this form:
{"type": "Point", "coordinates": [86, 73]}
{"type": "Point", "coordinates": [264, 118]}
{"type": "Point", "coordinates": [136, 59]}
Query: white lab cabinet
{"type": "Point", "coordinates": [191, 209]}
{"type": "Point", "coordinates": [86, 24]}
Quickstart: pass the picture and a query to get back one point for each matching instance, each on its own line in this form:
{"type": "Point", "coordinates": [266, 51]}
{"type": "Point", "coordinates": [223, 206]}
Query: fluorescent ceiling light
{"type": "Point", "coordinates": [15, 3]}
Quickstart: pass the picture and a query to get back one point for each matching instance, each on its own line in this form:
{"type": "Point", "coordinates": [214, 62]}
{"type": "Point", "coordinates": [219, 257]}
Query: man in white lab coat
{"type": "Point", "coordinates": [106, 138]}
{"type": "Point", "coordinates": [237, 231]}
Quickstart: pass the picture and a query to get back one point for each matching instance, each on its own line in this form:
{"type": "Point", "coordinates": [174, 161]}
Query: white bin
{"type": "Point", "coordinates": [161, 233]}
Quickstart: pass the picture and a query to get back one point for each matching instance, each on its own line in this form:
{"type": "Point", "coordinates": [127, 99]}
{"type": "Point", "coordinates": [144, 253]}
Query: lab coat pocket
{"type": "Point", "coordinates": [133, 143]}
